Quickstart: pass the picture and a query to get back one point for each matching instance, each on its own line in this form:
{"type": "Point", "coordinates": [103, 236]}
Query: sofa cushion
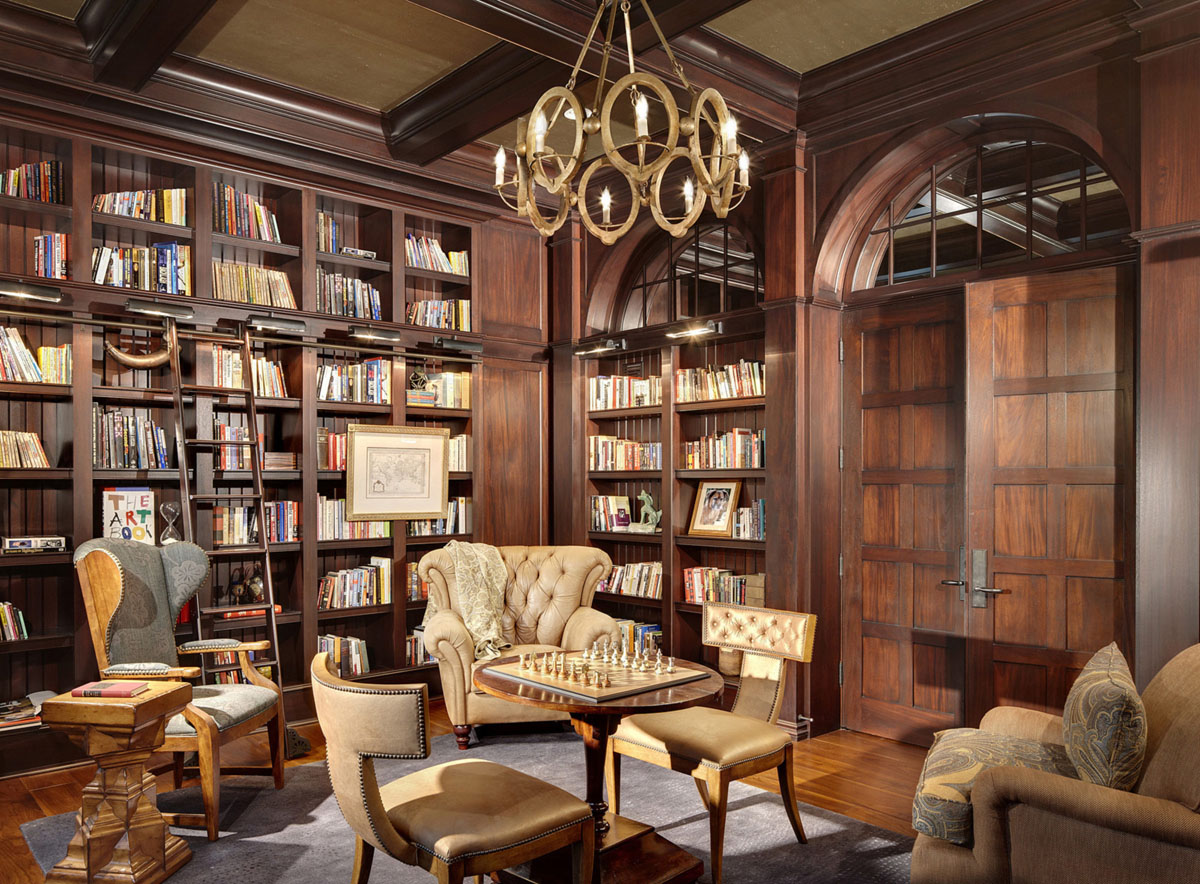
{"type": "Point", "coordinates": [1173, 711]}
{"type": "Point", "coordinates": [228, 704]}
{"type": "Point", "coordinates": [1104, 722]}
{"type": "Point", "coordinates": [942, 806]}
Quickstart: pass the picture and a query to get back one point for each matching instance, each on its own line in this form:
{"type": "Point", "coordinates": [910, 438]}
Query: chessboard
{"type": "Point", "coordinates": [622, 681]}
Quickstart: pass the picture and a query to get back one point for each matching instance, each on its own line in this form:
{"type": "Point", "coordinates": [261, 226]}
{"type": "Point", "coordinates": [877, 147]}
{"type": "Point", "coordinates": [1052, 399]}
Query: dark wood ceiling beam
{"type": "Point", "coordinates": [128, 40]}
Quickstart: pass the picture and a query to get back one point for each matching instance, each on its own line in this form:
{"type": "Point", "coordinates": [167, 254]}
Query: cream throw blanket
{"type": "Point", "coordinates": [481, 578]}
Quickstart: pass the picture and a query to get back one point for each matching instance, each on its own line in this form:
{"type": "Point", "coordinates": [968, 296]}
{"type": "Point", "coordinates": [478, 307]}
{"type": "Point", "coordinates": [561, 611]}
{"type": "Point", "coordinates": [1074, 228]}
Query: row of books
{"type": "Point", "coordinates": [735, 381]}
{"type": "Point", "coordinates": [50, 256]}
{"type": "Point", "coordinates": [168, 205]}
{"type": "Point", "coordinates": [236, 677]}
{"type": "Point", "coordinates": [17, 362]}
{"type": "Point", "coordinates": [331, 450]}
{"type": "Point", "coordinates": [418, 589]}
{"type": "Point", "coordinates": [164, 267]}
{"type": "Point", "coordinates": [239, 214]}
{"type": "Point", "coordinates": [459, 454]}
{"type": "Point", "coordinates": [414, 649]}
{"type": "Point", "coordinates": [234, 457]}
{"type": "Point", "coordinates": [453, 314]}
{"type": "Point", "coordinates": [126, 441]}
{"type": "Point", "coordinates": [641, 636]}
{"type": "Point", "coordinates": [54, 364]}
{"type": "Point", "coordinates": [12, 623]}
{"type": "Point", "coordinates": [641, 579]}
{"type": "Point", "coordinates": [457, 520]}
{"type": "Point", "coordinates": [22, 450]}
{"type": "Point", "coordinates": [750, 522]}
{"type": "Point", "coordinates": [329, 233]}
{"type": "Point", "coordinates": [238, 525]}
{"type": "Point", "coordinates": [349, 654]}
{"type": "Point", "coordinates": [369, 381]}
{"type": "Point", "coordinates": [610, 512]}
{"type": "Point", "coordinates": [426, 253]}
{"type": "Point", "coordinates": [445, 389]}
{"type": "Point", "coordinates": [737, 449]}
{"type": "Point", "coordinates": [229, 658]}
{"type": "Point", "coordinates": [343, 296]}
{"type": "Point", "coordinates": [333, 525]}
{"type": "Point", "coordinates": [623, 391]}
{"type": "Point", "coordinates": [245, 284]}
{"type": "Point", "coordinates": [612, 453]}
{"type": "Point", "coordinates": [227, 372]}
{"type": "Point", "coordinates": [35, 181]}
{"type": "Point", "coordinates": [357, 587]}
{"type": "Point", "coordinates": [702, 585]}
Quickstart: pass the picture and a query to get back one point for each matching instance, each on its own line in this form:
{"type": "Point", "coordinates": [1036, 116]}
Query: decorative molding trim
{"type": "Point", "coordinates": [1183, 230]}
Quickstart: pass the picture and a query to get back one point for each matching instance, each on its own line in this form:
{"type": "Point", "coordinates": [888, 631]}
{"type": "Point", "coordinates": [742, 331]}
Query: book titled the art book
{"type": "Point", "coordinates": [128, 514]}
{"type": "Point", "coordinates": [111, 689]}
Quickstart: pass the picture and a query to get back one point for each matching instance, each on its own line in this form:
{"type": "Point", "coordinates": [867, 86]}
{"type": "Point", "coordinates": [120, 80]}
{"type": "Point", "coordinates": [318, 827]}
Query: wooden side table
{"type": "Point", "coordinates": [121, 836]}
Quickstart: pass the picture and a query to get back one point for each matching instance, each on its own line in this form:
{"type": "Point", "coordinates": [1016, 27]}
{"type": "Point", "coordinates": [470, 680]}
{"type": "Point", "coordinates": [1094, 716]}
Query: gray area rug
{"type": "Point", "coordinates": [297, 834]}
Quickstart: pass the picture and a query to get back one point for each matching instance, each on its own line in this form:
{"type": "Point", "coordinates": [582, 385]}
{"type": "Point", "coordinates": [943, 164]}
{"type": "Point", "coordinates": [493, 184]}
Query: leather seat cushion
{"type": "Point", "coordinates": [942, 804]}
{"type": "Point", "coordinates": [514, 651]}
{"type": "Point", "coordinates": [228, 704]}
{"type": "Point", "coordinates": [462, 809]}
{"type": "Point", "coordinates": [711, 737]}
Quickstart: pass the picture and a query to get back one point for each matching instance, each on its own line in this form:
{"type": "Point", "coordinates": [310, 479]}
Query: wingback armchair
{"type": "Point", "coordinates": [133, 593]}
{"type": "Point", "coordinates": [547, 607]}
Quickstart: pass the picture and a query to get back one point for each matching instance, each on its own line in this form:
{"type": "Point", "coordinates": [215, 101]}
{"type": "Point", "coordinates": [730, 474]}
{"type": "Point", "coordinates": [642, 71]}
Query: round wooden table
{"type": "Point", "coordinates": [641, 849]}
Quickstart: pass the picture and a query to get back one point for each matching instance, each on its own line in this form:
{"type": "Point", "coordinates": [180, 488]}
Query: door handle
{"type": "Point", "coordinates": [954, 583]}
{"type": "Point", "coordinates": [991, 590]}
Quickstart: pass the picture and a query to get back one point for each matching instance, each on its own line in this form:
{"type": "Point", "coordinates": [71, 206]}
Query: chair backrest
{"type": "Point", "coordinates": [133, 593]}
{"type": "Point", "coordinates": [767, 639]}
{"type": "Point", "coordinates": [362, 722]}
{"type": "Point", "coordinates": [546, 585]}
{"type": "Point", "coordinates": [1172, 700]}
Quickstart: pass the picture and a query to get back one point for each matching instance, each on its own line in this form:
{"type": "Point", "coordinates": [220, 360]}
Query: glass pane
{"type": "Point", "coordinates": [912, 248]}
{"type": "Point", "coordinates": [913, 205]}
{"type": "Point", "coordinates": [658, 303]}
{"type": "Point", "coordinates": [958, 187]}
{"type": "Point", "coordinates": [1004, 233]}
{"type": "Point", "coordinates": [708, 296]}
{"type": "Point", "coordinates": [685, 297]}
{"type": "Point", "coordinates": [1107, 214]}
{"type": "Point", "coordinates": [1053, 165]}
{"type": "Point", "coordinates": [956, 244]}
{"type": "Point", "coordinates": [631, 316]}
{"type": "Point", "coordinates": [1003, 170]}
{"type": "Point", "coordinates": [743, 290]}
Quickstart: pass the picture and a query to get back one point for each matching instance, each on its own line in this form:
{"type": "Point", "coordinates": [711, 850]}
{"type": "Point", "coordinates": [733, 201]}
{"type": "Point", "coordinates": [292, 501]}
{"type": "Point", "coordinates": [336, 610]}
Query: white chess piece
{"type": "Point", "coordinates": [670, 664]}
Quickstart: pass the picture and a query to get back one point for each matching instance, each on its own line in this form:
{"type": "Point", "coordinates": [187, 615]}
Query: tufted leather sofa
{"type": "Point", "coordinates": [547, 607]}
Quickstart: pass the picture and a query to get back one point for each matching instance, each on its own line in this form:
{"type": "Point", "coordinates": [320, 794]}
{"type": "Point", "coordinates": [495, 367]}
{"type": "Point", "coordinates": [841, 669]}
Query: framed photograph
{"type": "Point", "coordinates": [396, 472]}
{"type": "Point", "coordinates": [712, 513]}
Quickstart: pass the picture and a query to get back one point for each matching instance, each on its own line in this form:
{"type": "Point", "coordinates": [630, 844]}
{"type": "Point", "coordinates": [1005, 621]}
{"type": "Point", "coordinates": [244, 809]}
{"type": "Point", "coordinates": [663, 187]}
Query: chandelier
{"type": "Point", "coordinates": [719, 170]}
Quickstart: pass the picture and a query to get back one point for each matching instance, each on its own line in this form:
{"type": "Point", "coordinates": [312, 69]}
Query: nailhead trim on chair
{"type": "Point", "coordinates": [703, 763]}
{"type": "Point", "coordinates": [529, 840]}
{"type": "Point", "coordinates": [210, 644]}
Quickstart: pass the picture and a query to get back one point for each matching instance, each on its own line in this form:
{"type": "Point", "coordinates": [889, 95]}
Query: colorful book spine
{"type": "Point", "coordinates": [607, 392]}
{"type": "Point", "coordinates": [247, 284]}
{"type": "Point", "coordinates": [740, 380]}
{"type": "Point", "coordinates": [457, 520]}
{"type": "Point", "coordinates": [166, 206]}
{"type": "Point", "coordinates": [35, 181]}
{"type": "Point", "coordinates": [236, 213]}
{"type": "Point", "coordinates": [165, 267]}
{"type": "Point", "coordinates": [342, 295]}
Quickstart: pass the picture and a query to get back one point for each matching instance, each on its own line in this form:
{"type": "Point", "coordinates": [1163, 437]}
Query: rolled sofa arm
{"type": "Point", "coordinates": [1027, 724]}
{"type": "Point", "coordinates": [585, 626]}
{"type": "Point", "coordinates": [447, 640]}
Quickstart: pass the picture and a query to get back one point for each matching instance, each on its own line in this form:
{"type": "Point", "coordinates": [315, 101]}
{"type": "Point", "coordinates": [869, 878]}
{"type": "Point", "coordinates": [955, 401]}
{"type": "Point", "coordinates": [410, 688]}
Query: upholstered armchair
{"type": "Point", "coordinates": [547, 607]}
{"type": "Point", "coordinates": [133, 593]}
{"type": "Point", "coordinates": [1031, 798]}
{"type": "Point", "coordinates": [468, 817]}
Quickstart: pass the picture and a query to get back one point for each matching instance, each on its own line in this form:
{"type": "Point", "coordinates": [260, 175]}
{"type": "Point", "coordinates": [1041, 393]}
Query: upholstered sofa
{"type": "Point", "coordinates": [1039, 818]}
{"type": "Point", "coordinates": [547, 607]}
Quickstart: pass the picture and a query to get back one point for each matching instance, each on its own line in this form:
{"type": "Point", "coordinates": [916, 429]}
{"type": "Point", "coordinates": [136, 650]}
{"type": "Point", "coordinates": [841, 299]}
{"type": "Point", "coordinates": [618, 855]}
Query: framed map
{"type": "Point", "coordinates": [396, 472]}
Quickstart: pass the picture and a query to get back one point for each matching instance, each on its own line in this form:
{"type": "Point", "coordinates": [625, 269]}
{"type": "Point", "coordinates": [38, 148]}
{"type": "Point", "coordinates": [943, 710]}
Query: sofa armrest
{"type": "Point", "coordinates": [585, 626]}
{"type": "Point", "coordinates": [1027, 724]}
{"type": "Point", "coordinates": [448, 642]}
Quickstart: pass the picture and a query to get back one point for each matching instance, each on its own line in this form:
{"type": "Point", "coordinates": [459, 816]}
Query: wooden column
{"type": "Point", "coordinates": [1167, 474]}
{"type": "Point", "coordinates": [567, 386]}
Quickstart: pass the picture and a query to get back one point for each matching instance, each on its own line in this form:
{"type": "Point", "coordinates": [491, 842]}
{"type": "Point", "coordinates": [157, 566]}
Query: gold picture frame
{"type": "Point", "coordinates": [396, 472]}
{"type": "Point", "coordinates": [714, 508]}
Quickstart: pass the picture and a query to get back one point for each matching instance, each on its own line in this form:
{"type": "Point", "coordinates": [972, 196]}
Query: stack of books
{"type": "Point", "coordinates": [457, 521]}
{"type": "Point", "coordinates": [240, 214]}
{"type": "Point", "coordinates": [610, 512]}
{"type": "Point", "coordinates": [126, 441]}
{"type": "Point", "coordinates": [740, 381]}
{"type": "Point", "coordinates": [50, 256]}
{"type": "Point", "coordinates": [54, 363]}
{"type": "Point", "coordinates": [750, 522]}
{"type": "Point", "coordinates": [12, 623]}
{"type": "Point", "coordinates": [611, 453]}
{"type": "Point", "coordinates": [415, 653]}
{"type": "Point", "coordinates": [418, 589]}
{"type": "Point", "coordinates": [35, 181]}
{"type": "Point", "coordinates": [642, 636]}
{"type": "Point", "coordinates": [22, 450]}
{"type": "Point", "coordinates": [737, 449]}
{"type": "Point", "coordinates": [246, 284]}
{"type": "Point", "coordinates": [702, 585]}
{"type": "Point", "coordinates": [164, 267]}
{"type": "Point", "coordinates": [16, 362]}
{"type": "Point", "coordinates": [368, 382]}
{"type": "Point", "coordinates": [279, 460]}
{"type": "Point", "coordinates": [22, 714]}
{"type": "Point", "coordinates": [168, 206]}
{"type": "Point", "coordinates": [459, 459]}
{"type": "Point", "coordinates": [453, 314]}
{"type": "Point", "coordinates": [357, 587]}
{"type": "Point", "coordinates": [640, 579]}
{"type": "Point", "coordinates": [331, 450]}
{"type": "Point", "coordinates": [349, 655]}
{"type": "Point", "coordinates": [343, 296]}
{"type": "Point", "coordinates": [446, 389]}
{"type": "Point", "coordinates": [227, 372]}
{"type": "Point", "coordinates": [426, 253]}
{"type": "Point", "coordinates": [623, 391]}
{"type": "Point", "coordinates": [333, 525]}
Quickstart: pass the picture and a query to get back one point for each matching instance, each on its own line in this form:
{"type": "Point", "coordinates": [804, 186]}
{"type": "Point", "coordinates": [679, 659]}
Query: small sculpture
{"type": "Point", "coordinates": [170, 512]}
{"type": "Point", "coordinates": [648, 523]}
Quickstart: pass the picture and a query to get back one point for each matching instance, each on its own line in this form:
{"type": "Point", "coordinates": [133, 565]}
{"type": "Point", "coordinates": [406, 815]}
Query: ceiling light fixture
{"type": "Point", "coordinates": [720, 171]}
{"type": "Point", "coordinates": [697, 331]}
{"type": "Point", "coordinates": [600, 347]}
{"type": "Point", "coordinates": [27, 291]}
{"type": "Point", "coordinates": [155, 308]}
{"type": "Point", "coordinates": [455, 343]}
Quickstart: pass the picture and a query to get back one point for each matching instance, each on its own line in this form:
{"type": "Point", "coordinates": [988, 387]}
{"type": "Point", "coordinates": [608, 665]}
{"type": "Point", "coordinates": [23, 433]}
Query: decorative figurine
{"type": "Point", "coordinates": [170, 512]}
{"type": "Point", "coordinates": [648, 523]}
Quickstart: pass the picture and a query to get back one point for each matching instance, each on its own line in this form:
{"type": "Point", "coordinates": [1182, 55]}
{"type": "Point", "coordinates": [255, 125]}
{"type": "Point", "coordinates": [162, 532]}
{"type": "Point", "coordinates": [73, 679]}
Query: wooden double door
{"type": "Point", "coordinates": [987, 497]}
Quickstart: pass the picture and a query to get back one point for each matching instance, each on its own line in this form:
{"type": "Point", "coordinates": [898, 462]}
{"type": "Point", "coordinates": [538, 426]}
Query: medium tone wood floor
{"type": "Point", "coordinates": [864, 777]}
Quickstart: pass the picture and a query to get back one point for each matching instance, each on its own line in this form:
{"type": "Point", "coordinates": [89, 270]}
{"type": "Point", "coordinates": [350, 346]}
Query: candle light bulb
{"type": "Point", "coordinates": [501, 162]}
{"type": "Point", "coordinates": [606, 206]}
{"type": "Point", "coordinates": [744, 169]}
{"type": "Point", "coordinates": [642, 114]}
{"type": "Point", "coordinates": [689, 196]}
{"type": "Point", "coordinates": [730, 133]}
{"type": "Point", "coordinates": [539, 133]}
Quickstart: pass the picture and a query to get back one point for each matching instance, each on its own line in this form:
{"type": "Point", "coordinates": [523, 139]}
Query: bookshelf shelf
{"type": "Point", "coordinates": [34, 207]}
{"type": "Point", "coordinates": [255, 245]}
{"type": "Point", "coordinates": [689, 608]}
{"type": "Point", "coordinates": [420, 667]}
{"type": "Point", "coordinates": [640, 601]}
{"type": "Point", "coordinates": [430, 412]}
{"type": "Point", "coordinates": [235, 624]}
{"type": "Point", "coordinates": [51, 474]}
{"type": "Point", "coordinates": [14, 390]}
{"type": "Point", "coordinates": [171, 476]}
{"type": "Point", "coordinates": [434, 539]}
{"type": "Point", "coordinates": [617, 475]}
{"type": "Point", "coordinates": [721, 474]}
{"type": "Point", "coordinates": [245, 476]}
{"type": "Point", "coordinates": [614, 414]}
{"type": "Point", "coordinates": [324, 407]}
{"type": "Point", "coordinates": [158, 228]}
{"type": "Point", "coordinates": [357, 263]}
{"type": "Point", "coordinates": [360, 611]}
{"type": "Point", "coordinates": [235, 402]}
{"type": "Point", "coordinates": [38, 643]}
{"type": "Point", "coordinates": [625, 537]}
{"type": "Point", "coordinates": [461, 475]}
{"type": "Point", "coordinates": [361, 543]}
{"type": "Point", "coordinates": [150, 396]}
{"type": "Point", "coordinates": [436, 276]}
{"type": "Point", "coordinates": [33, 559]}
{"type": "Point", "coordinates": [722, 404]}
{"type": "Point", "coordinates": [719, 542]}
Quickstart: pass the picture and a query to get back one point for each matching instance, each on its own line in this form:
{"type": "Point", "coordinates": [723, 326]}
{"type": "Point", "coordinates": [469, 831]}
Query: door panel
{"type": "Point", "coordinates": [903, 521]}
{"type": "Point", "coordinates": [1049, 438]}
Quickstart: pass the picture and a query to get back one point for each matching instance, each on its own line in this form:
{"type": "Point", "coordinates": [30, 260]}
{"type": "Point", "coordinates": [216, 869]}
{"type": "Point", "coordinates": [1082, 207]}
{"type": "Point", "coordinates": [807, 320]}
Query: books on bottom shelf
{"type": "Point", "coordinates": [369, 382]}
{"type": "Point", "coordinates": [415, 653]}
{"type": "Point", "coordinates": [51, 258]}
{"type": "Point", "coordinates": [349, 654]}
{"type": "Point", "coordinates": [164, 267]}
{"type": "Point", "coordinates": [610, 512]}
{"type": "Point", "coordinates": [246, 284]}
{"type": "Point", "coordinates": [357, 587]}
{"type": "Point", "coordinates": [457, 520]}
{"type": "Point", "coordinates": [21, 450]}
{"type": "Point", "coordinates": [12, 623]}
{"type": "Point", "coordinates": [739, 380]}
{"type": "Point", "coordinates": [750, 522]}
{"type": "Point", "coordinates": [640, 579]}
{"type": "Point", "coordinates": [333, 525]}
{"type": "Point", "coordinates": [16, 360]}
{"type": "Point", "coordinates": [444, 389]}
{"type": "Point", "coordinates": [607, 392]}
{"type": "Point", "coordinates": [719, 585]}
{"type": "Point", "coordinates": [417, 588]}
{"type": "Point", "coordinates": [641, 636]}
{"type": "Point", "coordinates": [23, 713]}
{"type": "Point", "coordinates": [331, 450]}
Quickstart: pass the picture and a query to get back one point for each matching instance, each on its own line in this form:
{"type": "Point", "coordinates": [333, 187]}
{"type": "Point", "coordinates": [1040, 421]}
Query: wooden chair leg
{"type": "Point", "coordinates": [448, 874]}
{"type": "Point", "coordinates": [177, 770]}
{"type": "Point", "coordinates": [363, 854]}
{"type": "Point", "coordinates": [462, 735]}
{"type": "Point", "coordinates": [587, 851]}
{"type": "Point", "coordinates": [787, 789]}
{"type": "Point", "coordinates": [718, 797]}
{"type": "Point", "coordinates": [612, 777]}
{"type": "Point", "coordinates": [277, 737]}
{"type": "Point", "coordinates": [210, 784]}
{"type": "Point", "coordinates": [702, 789]}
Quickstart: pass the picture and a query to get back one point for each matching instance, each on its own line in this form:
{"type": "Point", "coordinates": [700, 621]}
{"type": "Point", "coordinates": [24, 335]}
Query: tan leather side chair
{"type": "Point", "coordinates": [717, 747]}
{"type": "Point", "coordinates": [455, 819]}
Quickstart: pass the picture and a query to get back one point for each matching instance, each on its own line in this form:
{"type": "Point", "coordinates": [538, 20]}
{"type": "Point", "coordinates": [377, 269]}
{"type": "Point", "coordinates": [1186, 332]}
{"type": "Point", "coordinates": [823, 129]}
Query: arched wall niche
{"type": "Point", "coordinates": [846, 226]}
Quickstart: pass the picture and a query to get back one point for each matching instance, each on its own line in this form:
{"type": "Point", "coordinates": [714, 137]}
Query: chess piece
{"type": "Point", "coordinates": [605, 682]}
{"type": "Point", "coordinates": [658, 665]}
{"type": "Point", "coordinates": [670, 665]}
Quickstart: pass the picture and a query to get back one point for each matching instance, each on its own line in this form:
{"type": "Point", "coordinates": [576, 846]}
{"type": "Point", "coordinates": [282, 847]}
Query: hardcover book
{"type": "Point", "coordinates": [128, 514]}
{"type": "Point", "coordinates": [111, 689]}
